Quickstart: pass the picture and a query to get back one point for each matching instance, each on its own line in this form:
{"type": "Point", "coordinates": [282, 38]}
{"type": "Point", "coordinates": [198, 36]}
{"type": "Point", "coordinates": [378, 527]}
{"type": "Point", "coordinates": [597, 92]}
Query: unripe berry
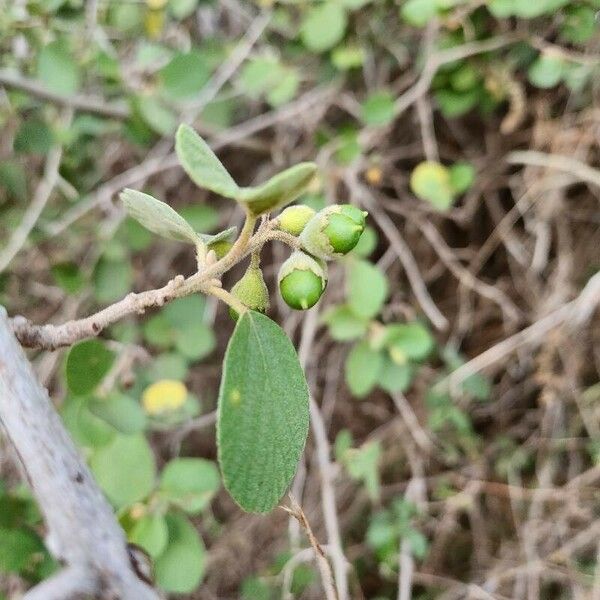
{"type": "Point", "coordinates": [294, 218]}
{"type": "Point", "coordinates": [251, 290]}
{"type": "Point", "coordinates": [333, 231]}
{"type": "Point", "coordinates": [302, 280]}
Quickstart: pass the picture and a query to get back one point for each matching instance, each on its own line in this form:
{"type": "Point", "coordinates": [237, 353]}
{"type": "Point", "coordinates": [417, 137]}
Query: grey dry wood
{"type": "Point", "coordinates": [82, 530]}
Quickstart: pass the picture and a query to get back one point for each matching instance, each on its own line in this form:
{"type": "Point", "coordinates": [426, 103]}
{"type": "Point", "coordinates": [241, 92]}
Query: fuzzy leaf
{"type": "Point", "coordinates": [157, 216]}
{"type": "Point", "coordinates": [280, 190]}
{"type": "Point", "coordinates": [201, 164]}
{"type": "Point", "coordinates": [262, 419]}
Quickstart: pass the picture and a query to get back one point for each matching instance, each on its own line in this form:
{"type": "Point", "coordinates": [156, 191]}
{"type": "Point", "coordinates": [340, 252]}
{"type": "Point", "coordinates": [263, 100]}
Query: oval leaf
{"type": "Point", "coordinates": [189, 483]}
{"type": "Point", "coordinates": [202, 165]}
{"type": "Point", "coordinates": [280, 190]}
{"type": "Point", "coordinates": [87, 364]}
{"type": "Point", "coordinates": [262, 419]}
{"type": "Point", "coordinates": [158, 217]}
{"type": "Point", "coordinates": [179, 569]}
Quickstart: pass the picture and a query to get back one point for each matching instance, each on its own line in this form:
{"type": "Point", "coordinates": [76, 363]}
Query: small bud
{"type": "Point", "coordinates": [251, 290]}
{"type": "Point", "coordinates": [302, 280]}
{"type": "Point", "coordinates": [333, 231]}
{"type": "Point", "coordinates": [294, 218]}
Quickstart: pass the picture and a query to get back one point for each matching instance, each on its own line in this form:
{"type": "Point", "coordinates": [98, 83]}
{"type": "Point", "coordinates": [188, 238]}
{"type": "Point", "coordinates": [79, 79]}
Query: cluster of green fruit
{"type": "Point", "coordinates": [328, 234]}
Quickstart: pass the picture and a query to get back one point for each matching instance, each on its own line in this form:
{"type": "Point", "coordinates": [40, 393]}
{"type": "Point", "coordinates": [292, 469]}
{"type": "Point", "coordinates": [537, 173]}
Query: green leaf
{"type": "Point", "coordinates": [462, 176]}
{"type": "Point", "coordinates": [120, 411]}
{"type": "Point", "coordinates": [262, 420]}
{"type": "Point", "coordinates": [88, 363]}
{"type": "Point", "coordinates": [343, 324]}
{"type": "Point", "coordinates": [33, 137]}
{"type": "Point", "coordinates": [579, 25]}
{"type": "Point", "coordinates": [363, 367]}
{"type": "Point", "coordinates": [185, 75]}
{"type": "Point", "coordinates": [196, 341]}
{"type": "Point", "coordinates": [280, 190]}
{"type": "Point", "coordinates": [418, 12]}
{"type": "Point", "coordinates": [86, 428]}
{"type": "Point", "coordinates": [150, 533]}
{"type": "Point", "coordinates": [16, 549]}
{"type": "Point", "coordinates": [179, 569]}
{"type": "Point", "coordinates": [431, 181]}
{"type": "Point", "coordinates": [157, 216]}
{"type": "Point", "coordinates": [68, 276]}
{"type": "Point", "coordinates": [367, 288]}
{"type": "Point", "coordinates": [394, 377]}
{"type": "Point", "coordinates": [324, 26]}
{"type": "Point", "coordinates": [546, 71]}
{"type": "Point", "coordinates": [366, 243]}
{"type": "Point", "coordinates": [455, 104]}
{"type": "Point", "coordinates": [201, 217]}
{"type": "Point", "coordinates": [362, 464]}
{"type": "Point", "coordinates": [189, 483]}
{"type": "Point", "coordinates": [13, 179]}
{"type": "Point", "coordinates": [125, 469]}
{"type": "Point", "coordinates": [378, 108]}
{"type": "Point", "coordinates": [201, 164]}
{"type": "Point", "coordinates": [156, 115]}
{"type": "Point", "coordinates": [412, 340]}
{"type": "Point", "coordinates": [183, 312]}
{"type": "Point", "coordinates": [57, 70]}
{"type": "Point", "coordinates": [112, 280]}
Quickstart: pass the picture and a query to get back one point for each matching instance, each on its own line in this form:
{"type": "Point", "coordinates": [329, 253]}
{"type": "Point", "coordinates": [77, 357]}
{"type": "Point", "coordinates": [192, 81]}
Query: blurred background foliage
{"type": "Point", "coordinates": [410, 109]}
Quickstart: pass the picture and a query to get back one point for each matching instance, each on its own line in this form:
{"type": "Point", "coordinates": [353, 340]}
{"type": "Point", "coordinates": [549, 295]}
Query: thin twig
{"type": "Point", "coordinates": [579, 310]}
{"type": "Point", "coordinates": [34, 210]}
{"type": "Point", "coordinates": [91, 104]}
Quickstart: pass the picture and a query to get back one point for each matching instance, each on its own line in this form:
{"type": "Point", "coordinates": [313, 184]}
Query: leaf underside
{"type": "Point", "coordinates": [262, 415]}
{"type": "Point", "coordinates": [158, 217]}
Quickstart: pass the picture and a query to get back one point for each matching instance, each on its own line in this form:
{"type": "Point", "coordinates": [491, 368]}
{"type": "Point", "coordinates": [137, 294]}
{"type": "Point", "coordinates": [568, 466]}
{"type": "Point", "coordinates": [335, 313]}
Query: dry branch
{"type": "Point", "coordinates": [82, 530]}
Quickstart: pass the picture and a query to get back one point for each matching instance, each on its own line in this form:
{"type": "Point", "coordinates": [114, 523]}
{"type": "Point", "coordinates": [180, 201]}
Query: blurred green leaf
{"type": "Point", "coordinates": [112, 280]}
{"type": "Point", "coordinates": [378, 108]}
{"type": "Point", "coordinates": [121, 412]}
{"type": "Point", "coordinates": [150, 533]}
{"type": "Point", "coordinates": [367, 288]}
{"type": "Point", "coordinates": [546, 71]}
{"type": "Point", "coordinates": [323, 26]}
{"type": "Point", "coordinates": [462, 177]}
{"type": "Point", "coordinates": [125, 469]}
{"type": "Point", "coordinates": [363, 367]}
{"type": "Point", "coordinates": [88, 362]}
{"type": "Point", "coordinates": [195, 341]}
{"type": "Point", "coordinates": [33, 137]}
{"type": "Point", "coordinates": [432, 182]}
{"type": "Point", "coordinates": [344, 325]}
{"type": "Point", "coordinates": [185, 75]}
{"type": "Point", "coordinates": [57, 69]}
{"type": "Point", "coordinates": [180, 568]}
{"type": "Point", "coordinates": [13, 179]}
{"type": "Point", "coordinates": [68, 276]}
{"type": "Point", "coordinates": [189, 483]}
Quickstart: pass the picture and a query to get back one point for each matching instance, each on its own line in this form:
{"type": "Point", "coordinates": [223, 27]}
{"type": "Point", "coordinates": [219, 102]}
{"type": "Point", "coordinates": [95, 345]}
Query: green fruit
{"type": "Point", "coordinates": [302, 280]}
{"type": "Point", "coordinates": [354, 213]}
{"type": "Point", "coordinates": [294, 218]}
{"type": "Point", "coordinates": [343, 233]}
{"type": "Point", "coordinates": [251, 290]}
{"type": "Point", "coordinates": [333, 231]}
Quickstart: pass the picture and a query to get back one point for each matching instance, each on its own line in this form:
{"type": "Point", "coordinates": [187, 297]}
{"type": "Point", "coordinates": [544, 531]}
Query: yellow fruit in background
{"type": "Point", "coordinates": [163, 396]}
